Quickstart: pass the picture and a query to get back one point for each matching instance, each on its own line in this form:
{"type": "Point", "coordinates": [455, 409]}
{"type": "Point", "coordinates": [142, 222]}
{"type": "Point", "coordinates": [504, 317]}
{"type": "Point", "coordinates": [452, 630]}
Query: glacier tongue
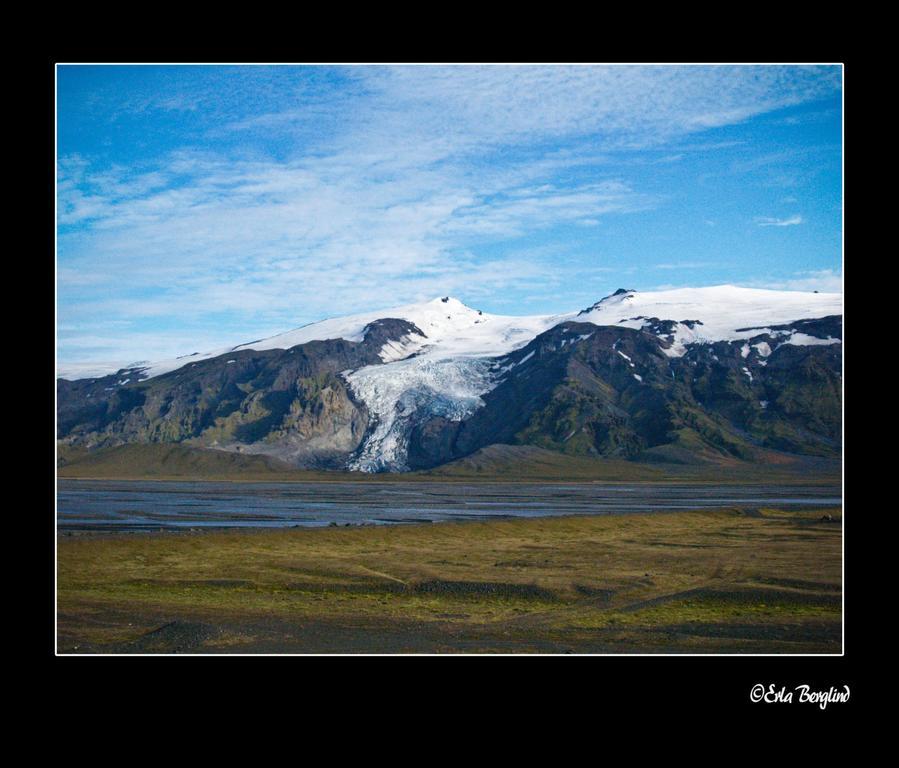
{"type": "Point", "coordinates": [407, 392]}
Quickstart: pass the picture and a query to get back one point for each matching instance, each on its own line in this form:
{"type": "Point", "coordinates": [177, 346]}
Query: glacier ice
{"type": "Point", "coordinates": [407, 392]}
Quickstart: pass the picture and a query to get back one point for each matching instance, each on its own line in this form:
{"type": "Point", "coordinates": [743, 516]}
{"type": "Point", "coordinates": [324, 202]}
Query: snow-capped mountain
{"type": "Point", "coordinates": [375, 391]}
{"type": "Point", "coordinates": [451, 329]}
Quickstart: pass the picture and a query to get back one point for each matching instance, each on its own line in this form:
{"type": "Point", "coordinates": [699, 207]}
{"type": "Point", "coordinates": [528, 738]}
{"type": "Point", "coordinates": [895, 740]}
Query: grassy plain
{"type": "Point", "coordinates": [724, 581]}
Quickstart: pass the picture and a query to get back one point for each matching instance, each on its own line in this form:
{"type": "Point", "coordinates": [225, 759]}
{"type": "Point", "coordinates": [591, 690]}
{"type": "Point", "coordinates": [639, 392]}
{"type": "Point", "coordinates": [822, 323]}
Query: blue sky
{"type": "Point", "coordinates": [204, 206]}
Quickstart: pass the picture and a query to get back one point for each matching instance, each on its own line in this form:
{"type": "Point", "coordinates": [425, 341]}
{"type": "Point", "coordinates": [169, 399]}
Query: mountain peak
{"type": "Point", "coordinates": [613, 298]}
{"type": "Point", "coordinates": [448, 301]}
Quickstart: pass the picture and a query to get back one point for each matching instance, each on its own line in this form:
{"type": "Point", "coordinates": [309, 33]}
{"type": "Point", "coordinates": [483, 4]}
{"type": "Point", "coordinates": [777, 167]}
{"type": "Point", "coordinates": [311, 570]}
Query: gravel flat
{"type": "Point", "coordinates": [136, 505]}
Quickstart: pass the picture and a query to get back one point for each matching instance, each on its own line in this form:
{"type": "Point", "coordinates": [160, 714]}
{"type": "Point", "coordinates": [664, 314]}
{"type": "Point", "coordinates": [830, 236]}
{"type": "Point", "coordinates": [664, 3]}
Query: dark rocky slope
{"type": "Point", "coordinates": [291, 404]}
{"type": "Point", "coordinates": [611, 391]}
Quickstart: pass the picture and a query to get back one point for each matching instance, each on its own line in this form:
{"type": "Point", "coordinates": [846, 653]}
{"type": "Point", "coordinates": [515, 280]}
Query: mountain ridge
{"type": "Point", "coordinates": [430, 313]}
{"type": "Point", "coordinates": [680, 376]}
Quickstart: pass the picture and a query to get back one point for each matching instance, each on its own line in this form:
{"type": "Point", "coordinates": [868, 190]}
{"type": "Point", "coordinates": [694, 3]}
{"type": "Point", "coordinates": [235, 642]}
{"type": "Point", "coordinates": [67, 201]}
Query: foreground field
{"type": "Point", "coordinates": [756, 581]}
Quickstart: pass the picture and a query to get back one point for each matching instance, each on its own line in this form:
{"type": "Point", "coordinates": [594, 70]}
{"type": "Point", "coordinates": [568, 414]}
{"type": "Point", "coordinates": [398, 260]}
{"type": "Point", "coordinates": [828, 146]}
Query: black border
{"type": "Point", "coordinates": [665, 686]}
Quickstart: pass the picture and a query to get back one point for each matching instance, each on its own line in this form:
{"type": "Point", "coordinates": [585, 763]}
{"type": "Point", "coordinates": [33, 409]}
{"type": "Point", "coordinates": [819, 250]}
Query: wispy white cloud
{"type": "Point", "coordinates": [420, 171]}
{"type": "Point", "coordinates": [292, 241]}
{"type": "Point", "coordinates": [770, 221]}
{"type": "Point", "coordinates": [627, 105]}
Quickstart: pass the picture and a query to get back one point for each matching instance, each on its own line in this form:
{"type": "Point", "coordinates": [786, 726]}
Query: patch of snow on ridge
{"type": "Point", "coordinates": [75, 371]}
{"type": "Point", "coordinates": [498, 371]}
{"type": "Point", "coordinates": [403, 348]}
{"type": "Point", "coordinates": [804, 340]}
{"type": "Point", "coordinates": [721, 308]}
{"type": "Point", "coordinates": [407, 392]}
{"type": "Point", "coordinates": [581, 337]}
{"type": "Point", "coordinates": [527, 357]}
